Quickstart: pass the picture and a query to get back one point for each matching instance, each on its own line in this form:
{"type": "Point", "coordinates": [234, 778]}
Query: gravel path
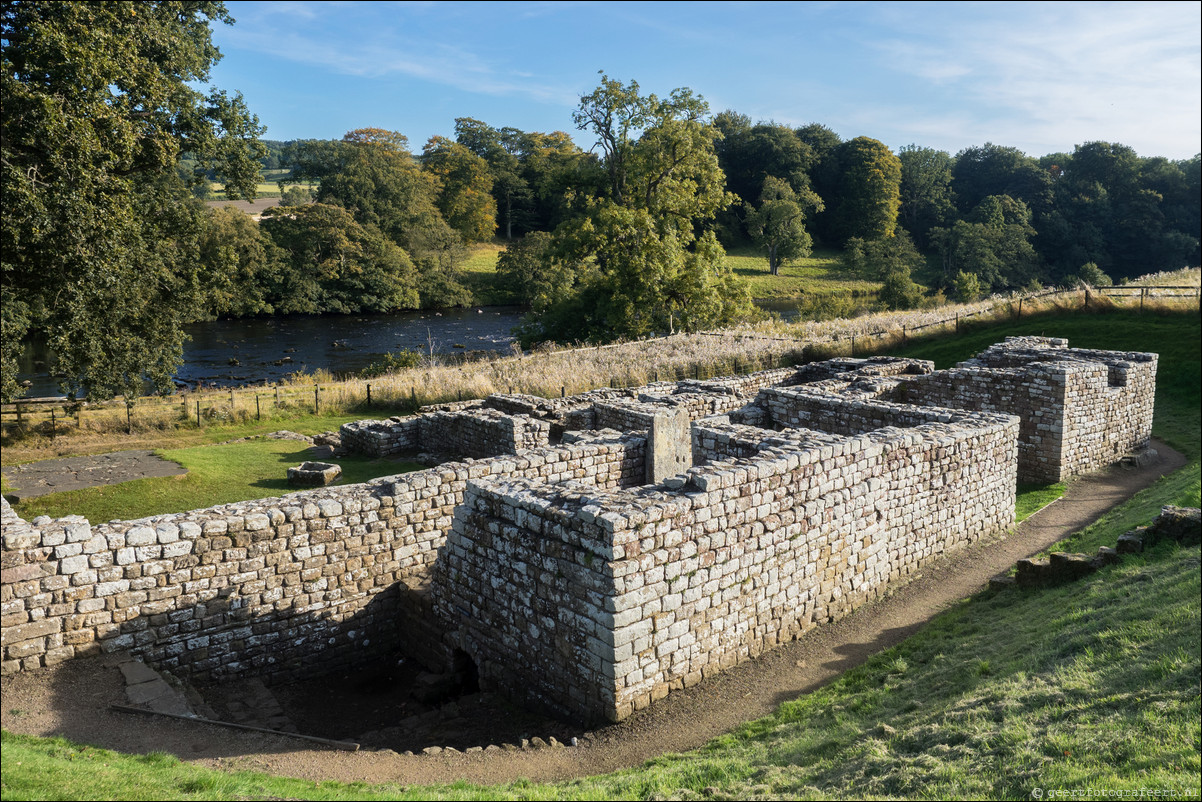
{"type": "Point", "coordinates": [72, 699]}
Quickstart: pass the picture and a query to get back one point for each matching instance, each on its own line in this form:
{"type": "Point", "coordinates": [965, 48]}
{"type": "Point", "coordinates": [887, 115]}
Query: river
{"type": "Point", "coordinates": [253, 350]}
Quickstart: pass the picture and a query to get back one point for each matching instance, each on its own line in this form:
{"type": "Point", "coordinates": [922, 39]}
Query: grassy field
{"type": "Point", "coordinates": [217, 474]}
{"type": "Point", "coordinates": [1090, 687]}
{"type": "Point", "coordinates": [822, 273]}
{"type": "Point", "coordinates": [480, 275]}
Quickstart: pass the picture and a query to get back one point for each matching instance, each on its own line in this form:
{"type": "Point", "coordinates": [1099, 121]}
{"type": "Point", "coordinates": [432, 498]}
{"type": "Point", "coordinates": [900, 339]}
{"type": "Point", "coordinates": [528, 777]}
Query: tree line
{"type": "Point", "coordinates": [107, 252]}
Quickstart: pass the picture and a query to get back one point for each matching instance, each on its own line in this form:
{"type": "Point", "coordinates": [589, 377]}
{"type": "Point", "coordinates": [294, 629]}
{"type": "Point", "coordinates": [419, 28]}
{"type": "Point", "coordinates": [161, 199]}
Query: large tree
{"type": "Point", "coordinates": [371, 174]}
{"type": "Point", "coordinates": [653, 272]}
{"type": "Point", "coordinates": [993, 242]}
{"type": "Point", "coordinates": [100, 235]}
{"type": "Point", "coordinates": [331, 263]}
{"type": "Point", "coordinates": [926, 193]}
{"type": "Point", "coordinates": [778, 225]}
{"type": "Point", "coordinates": [868, 191]}
{"type": "Point", "coordinates": [464, 188]}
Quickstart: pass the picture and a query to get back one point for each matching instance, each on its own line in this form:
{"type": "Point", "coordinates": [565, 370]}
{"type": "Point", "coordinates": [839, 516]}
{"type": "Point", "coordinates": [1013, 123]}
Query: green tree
{"type": "Point", "coordinates": [898, 291]}
{"type": "Point", "coordinates": [100, 234]}
{"type": "Point", "coordinates": [868, 193]}
{"type": "Point", "coordinates": [994, 243]}
{"type": "Point", "coordinates": [295, 196]}
{"type": "Point", "coordinates": [967, 287]}
{"type": "Point", "coordinates": [926, 194]}
{"type": "Point", "coordinates": [778, 225]}
{"type": "Point", "coordinates": [331, 263]}
{"type": "Point", "coordinates": [996, 170]}
{"type": "Point", "coordinates": [464, 188]}
{"type": "Point", "coordinates": [240, 262]}
{"type": "Point", "coordinates": [875, 259]}
{"type": "Point", "coordinates": [529, 270]}
{"type": "Point", "coordinates": [372, 174]}
{"type": "Point", "coordinates": [501, 149]}
{"type": "Point", "coordinates": [560, 176]}
{"type": "Point", "coordinates": [653, 271]}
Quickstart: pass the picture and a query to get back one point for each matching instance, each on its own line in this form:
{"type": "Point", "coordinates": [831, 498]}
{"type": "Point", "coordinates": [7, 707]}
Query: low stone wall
{"type": "Point", "coordinates": [279, 587]}
{"type": "Point", "coordinates": [809, 408]}
{"type": "Point", "coordinates": [613, 599]}
{"type": "Point", "coordinates": [382, 438]}
{"type": "Point", "coordinates": [481, 433]}
{"type": "Point", "coordinates": [715, 439]}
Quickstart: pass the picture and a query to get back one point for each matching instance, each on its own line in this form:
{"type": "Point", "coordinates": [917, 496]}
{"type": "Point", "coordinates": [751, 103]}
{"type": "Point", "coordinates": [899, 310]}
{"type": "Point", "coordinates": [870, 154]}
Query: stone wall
{"type": "Point", "coordinates": [481, 433]}
{"type": "Point", "coordinates": [377, 438]}
{"type": "Point", "coordinates": [278, 587]}
{"type": "Point", "coordinates": [613, 599]}
{"type": "Point", "coordinates": [718, 439]}
{"type": "Point", "coordinates": [1080, 409]}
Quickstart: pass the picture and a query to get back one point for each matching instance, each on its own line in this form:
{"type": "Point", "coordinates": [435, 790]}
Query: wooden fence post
{"type": "Point", "coordinates": [369, 395]}
{"type": "Point", "coordinates": [316, 399]}
{"type": "Point", "coordinates": [258, 414]}
{"type": "Point", "coordinates": [198, 413]}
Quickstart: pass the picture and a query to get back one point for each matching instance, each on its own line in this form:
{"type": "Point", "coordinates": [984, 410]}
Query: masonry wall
{"type": "Point", "coordinates": [615, 599]}
{"type": "Point", "coordinates": [482, 432]}
{"type": "Point", "coordinates": [378, 438]}
{"type": "Point", "coordinates": [718, 439]}
{"type": "Point", "coordinates": [279, 587]}
{"type": "Point", "coordinates": [1080, 410]}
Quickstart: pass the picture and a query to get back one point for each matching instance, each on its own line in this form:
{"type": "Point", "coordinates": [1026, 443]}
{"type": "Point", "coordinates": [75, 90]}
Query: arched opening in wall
{"type": "Point", "coordinates": [392, 703]}
{"type": "Point", "coordinates": [465, 673]}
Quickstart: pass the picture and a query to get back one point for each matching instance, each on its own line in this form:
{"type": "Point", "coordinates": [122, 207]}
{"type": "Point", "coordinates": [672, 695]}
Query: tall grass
{"type": "Point", "coordinates": [553, 371]}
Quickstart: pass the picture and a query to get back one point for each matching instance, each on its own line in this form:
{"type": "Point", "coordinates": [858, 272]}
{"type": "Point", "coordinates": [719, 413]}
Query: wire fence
{"type": "Point", "coordinates": [548, 373]}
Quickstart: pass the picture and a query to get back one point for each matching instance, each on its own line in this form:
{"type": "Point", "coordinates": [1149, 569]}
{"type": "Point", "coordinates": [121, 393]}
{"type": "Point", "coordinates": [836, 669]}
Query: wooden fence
{"type": "Point", "coordinates": [204, 406]}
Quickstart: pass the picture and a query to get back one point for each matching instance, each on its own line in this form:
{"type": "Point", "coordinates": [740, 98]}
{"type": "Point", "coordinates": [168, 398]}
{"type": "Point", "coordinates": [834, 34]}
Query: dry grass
{"type": "Point", "coordinates": [549, 372]}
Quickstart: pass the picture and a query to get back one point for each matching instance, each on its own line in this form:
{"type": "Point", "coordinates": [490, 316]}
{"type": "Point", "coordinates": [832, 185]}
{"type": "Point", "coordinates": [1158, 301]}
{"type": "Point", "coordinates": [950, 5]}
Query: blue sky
{"type": "Point", "coordinates": [1041, 77]}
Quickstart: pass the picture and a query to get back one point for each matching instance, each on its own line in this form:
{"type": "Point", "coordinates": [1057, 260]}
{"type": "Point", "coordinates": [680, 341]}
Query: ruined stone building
{"type": "Point", "coordinates": [590, 554]}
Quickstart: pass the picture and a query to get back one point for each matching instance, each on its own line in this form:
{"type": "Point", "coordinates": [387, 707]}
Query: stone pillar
{"type": "Point", "coordinates": [669, 445]}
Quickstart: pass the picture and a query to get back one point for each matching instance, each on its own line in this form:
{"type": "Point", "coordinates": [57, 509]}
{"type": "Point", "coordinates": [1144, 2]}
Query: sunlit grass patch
{"type": "Point", "coordinates": [217, 474]}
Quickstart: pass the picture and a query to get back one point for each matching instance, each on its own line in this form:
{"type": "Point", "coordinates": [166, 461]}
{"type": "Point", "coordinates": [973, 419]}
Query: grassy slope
{"type": "Point", "coordinates": [1093, 685]}
{"type": "Point", "coordinates": [820, 273]}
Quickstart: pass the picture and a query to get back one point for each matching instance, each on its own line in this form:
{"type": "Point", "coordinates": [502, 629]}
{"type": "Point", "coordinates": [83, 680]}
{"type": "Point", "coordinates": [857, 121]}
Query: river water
{"type": "Point", "coordinates": [253, 350]}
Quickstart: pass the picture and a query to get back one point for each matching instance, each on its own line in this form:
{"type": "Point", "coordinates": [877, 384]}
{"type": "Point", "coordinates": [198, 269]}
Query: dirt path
{"type": "Point", "coordinates": [72, 700]}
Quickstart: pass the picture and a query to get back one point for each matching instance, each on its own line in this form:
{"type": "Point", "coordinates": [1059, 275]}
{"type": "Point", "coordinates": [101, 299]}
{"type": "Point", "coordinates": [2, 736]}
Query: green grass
{"type": "Point", "coordinates": [821, 273]}
{"type": "Point", "coordinates": [480, 275]}
{"type": "Point", "coordinates": [217, 474]}
{"type": "Point", "coordinates": [1092, 685]}
{"type": "Point", "coordinates": [1033, 498]}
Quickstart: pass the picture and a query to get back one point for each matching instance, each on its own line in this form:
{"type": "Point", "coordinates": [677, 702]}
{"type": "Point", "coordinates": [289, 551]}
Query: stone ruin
{"type": "Point", "coordinates": [590, 554]}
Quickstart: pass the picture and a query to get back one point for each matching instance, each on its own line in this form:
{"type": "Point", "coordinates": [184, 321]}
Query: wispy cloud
{"type": "Point", "coordinates": [1067, 72]}
{"type": "Point", "coordinates": [383, 53]}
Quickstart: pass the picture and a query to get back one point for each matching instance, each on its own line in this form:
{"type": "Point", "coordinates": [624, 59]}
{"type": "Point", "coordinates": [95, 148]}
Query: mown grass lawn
{"type": "Point", "coordinates": [217, 474]}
